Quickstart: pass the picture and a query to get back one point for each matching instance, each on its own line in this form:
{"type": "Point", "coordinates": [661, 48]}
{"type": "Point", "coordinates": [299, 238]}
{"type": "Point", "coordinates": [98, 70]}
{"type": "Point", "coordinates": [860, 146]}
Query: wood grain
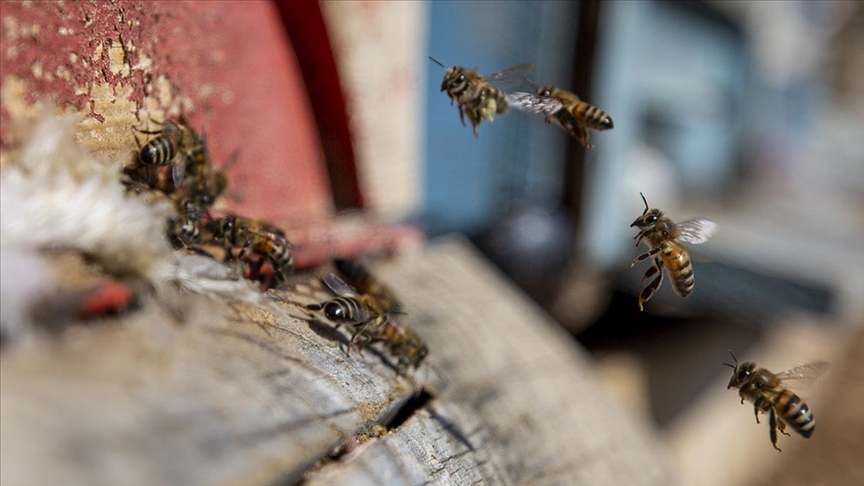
{"type": "Point", "coordinates": [242, 394]}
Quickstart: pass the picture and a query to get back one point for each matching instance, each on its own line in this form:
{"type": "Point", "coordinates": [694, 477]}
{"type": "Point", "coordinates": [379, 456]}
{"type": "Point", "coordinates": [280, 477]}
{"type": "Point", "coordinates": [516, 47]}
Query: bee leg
{"type": "Point", "coordinates": [644, 256]}
{"type": "Point", "coordinates": [361, 331]}
{"type": "Point", "coordinates": [359, 339]}
{"type": "Point", "coordinates": [782, 427]}
{"type": "Point", "coordinates": [461, 115]}
{"type": "Point", "coordinates": [476, 130]}
{"type": "Point", "coordinates": [582, 135]}
{"type": "Point", "coordinates": [246, 245]}
{"type": "Point", "coordinates": [648, 290]}
{"type": "Point", "coordinates": [772, 424]}
{"type": "Point", "coordinates": [756, 413]}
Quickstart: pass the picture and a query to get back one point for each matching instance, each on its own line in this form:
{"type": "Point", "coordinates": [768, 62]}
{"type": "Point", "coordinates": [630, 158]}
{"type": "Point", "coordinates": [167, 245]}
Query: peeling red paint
{"type": "Point", "coordinates": [230, 60]}
{"type": "Point", "coordinates": [235, 65]}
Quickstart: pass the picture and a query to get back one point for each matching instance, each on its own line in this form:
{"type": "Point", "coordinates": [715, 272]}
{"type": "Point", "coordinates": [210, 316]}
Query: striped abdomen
{"type": "Point", "coordinates": [677, 263]}
{"type": "Point", "coordinates": [275, 249]}
{"type": "Point", "coordinates": [159, 151]}
{"type": "Point", "coordinates": [344, 310]}
{"type": "Point", "coordinates": [592, 117]}
{"type": "Point", "coordinates": [792, 410]}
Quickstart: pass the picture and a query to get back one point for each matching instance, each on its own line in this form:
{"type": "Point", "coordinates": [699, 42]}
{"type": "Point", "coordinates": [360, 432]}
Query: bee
{"type": "Point", "coordinates": [570, 113]}
{"type": "Point", "coordinates": [475, 95]}
{"type": "Point", "coordinates": [662, 237]}
{"type": "Point", "coordinates": [203, 190]}
{"type": "Point", "coordinates": [359, 277]}
{"type": "Point", "coordinates": [768, 395]}
{"type": "Point", "coordinates": [205, 182]}
{"type": "Point", "coordinates": [349, 308]}
{"type": "Point", "coordinates": [370, 322]}
{"type": "Point", "coordinates": [173, 145]}
{"type": "Point", "coordinates": [255, 236]}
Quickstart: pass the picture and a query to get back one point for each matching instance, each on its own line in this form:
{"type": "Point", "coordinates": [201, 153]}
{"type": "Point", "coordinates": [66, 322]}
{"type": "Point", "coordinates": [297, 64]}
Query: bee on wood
{"type": "Point", "coordinates": [349, 307]}
{"type": "Point", "coordinates": [768, 394]}
{"type": "Point", "coordinates": [475, 95]}
{"type": "Point", "coordinates": [564, 108]}
{"type": "Point", "coordinates": [663, 238]}
{"type": "Point", "coordinates": [370, 322]}
{"type": "Point", "coordinates": [255, 236]}
{"type": "Point", "coordinates": [173, 146]}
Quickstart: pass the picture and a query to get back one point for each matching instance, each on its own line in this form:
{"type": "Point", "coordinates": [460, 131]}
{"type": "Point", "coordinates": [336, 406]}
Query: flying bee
{"type": "Point", "coordinates": [255, 236]}
{"type": "Point", "coordinates": [174, 145]}
{"type": "Point", "coordinates": [564, 108]}
{"type": "Point", "coordinates": [662, 237]}
{"type": "Point", "coordinates": [370, 322]}
{"type": "Point", "coordinates": [768, 394]}
{"type": "Point", "coordinates": [475, 95]}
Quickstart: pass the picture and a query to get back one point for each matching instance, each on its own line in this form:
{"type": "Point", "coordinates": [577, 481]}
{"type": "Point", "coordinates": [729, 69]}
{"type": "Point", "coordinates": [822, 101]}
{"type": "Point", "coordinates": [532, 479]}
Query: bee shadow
{"type": "Point", "coordinates": [331, 333]}
{"type": "Point", "coordinates": [327, 331]}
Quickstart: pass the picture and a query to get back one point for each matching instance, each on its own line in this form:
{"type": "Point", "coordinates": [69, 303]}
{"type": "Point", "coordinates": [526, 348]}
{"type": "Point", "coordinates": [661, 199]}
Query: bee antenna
{"type": "Point", "coordinates": [646, 210]}
{"type": "Point", "coordinates": [437, 62]}
{"type": "Point", "coordinates": [530, 82]}
{"type": "Point", "coordinates": [735, 366]}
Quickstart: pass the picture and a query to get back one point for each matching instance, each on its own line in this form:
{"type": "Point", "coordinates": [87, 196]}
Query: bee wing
{"type": "Point", "coordinates": [338, 286]}
{"type": "Point", "coordinates": [696, 231]}
{"type": "Point", "coordinates": [178, 172]}
{"type": "Point", "coordinates": [510, 74]}
{"type": "Point", "coordinates": [534, 104]}
{"type": "Point", "coordinates": [805, 375]}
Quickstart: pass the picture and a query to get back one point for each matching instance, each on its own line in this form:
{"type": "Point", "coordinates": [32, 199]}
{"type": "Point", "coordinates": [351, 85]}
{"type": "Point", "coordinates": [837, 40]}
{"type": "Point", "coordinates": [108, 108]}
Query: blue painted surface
{"type": "Point", "coordinates": [470, 181]}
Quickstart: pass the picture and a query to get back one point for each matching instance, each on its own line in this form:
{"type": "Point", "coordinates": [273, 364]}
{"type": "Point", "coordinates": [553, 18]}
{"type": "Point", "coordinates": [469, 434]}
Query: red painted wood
{"type": "Point", "coordinates": [234, 63]}
{"type": "Point", "coordinates": [305, 25]}
{"type": "Point", "coordinates": [231, 60]}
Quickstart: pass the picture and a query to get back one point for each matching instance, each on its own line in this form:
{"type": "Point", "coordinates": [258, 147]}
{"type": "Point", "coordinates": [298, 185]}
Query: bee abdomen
{"type": "Point", "coordinates": [594, 117]}
{"type": "Point", "coordinates": [344, 309]}
{"type": "Point", "coordinates": [796, 413]}
{"type": "Point", "coordinates": [677, 261]}
{"type": "Point", "coordinates": [159, 151]}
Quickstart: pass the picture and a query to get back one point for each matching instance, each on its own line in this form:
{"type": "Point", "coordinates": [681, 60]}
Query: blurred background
{"type": "Point", "coordinates": [747, 113]}
{"type": "Point", "coordinates": [750, 114]}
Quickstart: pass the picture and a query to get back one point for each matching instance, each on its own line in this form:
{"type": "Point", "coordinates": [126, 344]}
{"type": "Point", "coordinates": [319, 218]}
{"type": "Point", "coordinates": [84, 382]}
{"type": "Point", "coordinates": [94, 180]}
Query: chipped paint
{"type": "Point", "coordinates": [122, 63]}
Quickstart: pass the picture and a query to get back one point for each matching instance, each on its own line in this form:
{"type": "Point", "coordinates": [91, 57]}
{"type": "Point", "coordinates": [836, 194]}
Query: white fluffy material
{"type": "Point", "coordinates": [58, 196]}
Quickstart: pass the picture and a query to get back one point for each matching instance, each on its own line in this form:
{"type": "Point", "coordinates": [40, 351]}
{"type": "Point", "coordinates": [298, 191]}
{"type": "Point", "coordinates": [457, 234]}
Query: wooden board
{"type": "Point", "coordinates": [243, 394]}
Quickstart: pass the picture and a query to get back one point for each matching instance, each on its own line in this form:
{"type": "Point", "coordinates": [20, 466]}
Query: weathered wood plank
{"type": "Point", "coordinates": [234, 395]}
{"type": "Point", "coordinates": [511, 383]}
{"type": "Point", "coordinates": [246, 394]}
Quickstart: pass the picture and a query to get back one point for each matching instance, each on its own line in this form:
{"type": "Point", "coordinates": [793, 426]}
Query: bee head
{"type": "Point", "coordinates": [455, 80]}
{"type": "Point", "coordinates": [649, 216]}
{"type": "Point", "coordinates": [420, 355]}
{"type": "Point", "coordinates": [224, 227]}
{"type": "Point", "coordinates": [740, 372]}
{"type": "Point", "coordinates": [545, 91]}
